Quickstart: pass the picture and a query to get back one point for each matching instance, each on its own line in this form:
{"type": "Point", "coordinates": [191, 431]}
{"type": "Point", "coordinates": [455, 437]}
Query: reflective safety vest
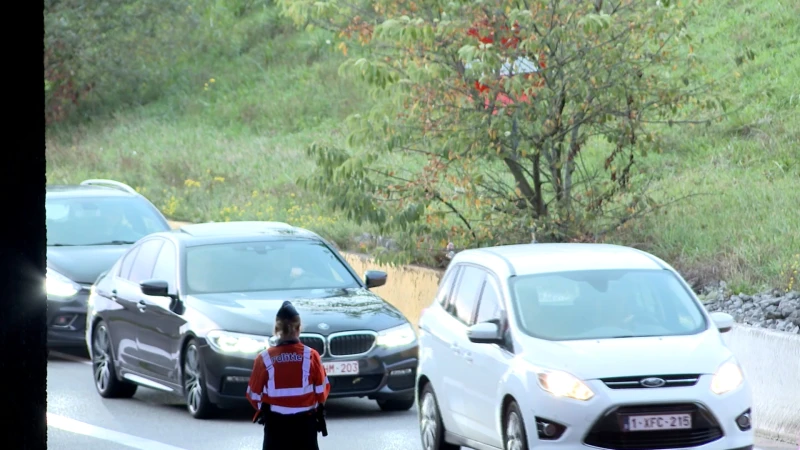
{"type": "Point", "coordinates": [290, 378]}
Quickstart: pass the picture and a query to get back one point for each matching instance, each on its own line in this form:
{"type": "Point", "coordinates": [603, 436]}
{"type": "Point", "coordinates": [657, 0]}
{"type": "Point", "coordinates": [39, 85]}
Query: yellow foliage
{"type": "Point", "coordinates": [791, 273]}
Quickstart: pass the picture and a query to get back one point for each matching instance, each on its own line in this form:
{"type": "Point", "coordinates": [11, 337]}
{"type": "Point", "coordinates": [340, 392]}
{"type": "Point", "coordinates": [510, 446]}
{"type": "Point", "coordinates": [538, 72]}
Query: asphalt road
{"type": "Point", "coordinates": [78, 418]}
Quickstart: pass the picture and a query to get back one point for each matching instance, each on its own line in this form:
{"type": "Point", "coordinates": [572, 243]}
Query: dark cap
{"type": "Point", "coordinates": [287, 311]}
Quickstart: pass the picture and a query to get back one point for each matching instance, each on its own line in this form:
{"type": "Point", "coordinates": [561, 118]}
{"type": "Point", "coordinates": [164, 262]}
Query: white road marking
{"type": "Point", "coordinates": [74, 426]}
{"type": "Point", "coordinates": [70, 357]}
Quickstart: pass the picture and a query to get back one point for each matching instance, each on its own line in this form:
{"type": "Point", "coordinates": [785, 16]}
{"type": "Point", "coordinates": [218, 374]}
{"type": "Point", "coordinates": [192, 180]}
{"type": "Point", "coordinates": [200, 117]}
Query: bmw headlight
{"type": "Point", "coordinates": [232, 343]}
{"type": "Point", "coordinates": [397, 336]}
{"type": "Point", "coordinates": [562, 384]}
{"type": "Point", "coordinates": [727, 378]}
{"type": "Point", "coordinates": [58, 286]}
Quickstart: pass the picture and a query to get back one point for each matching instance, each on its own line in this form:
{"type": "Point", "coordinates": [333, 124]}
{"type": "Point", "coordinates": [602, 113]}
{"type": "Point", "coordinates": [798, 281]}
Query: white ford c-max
{"type": "Point", "coordinates": [569, 346]}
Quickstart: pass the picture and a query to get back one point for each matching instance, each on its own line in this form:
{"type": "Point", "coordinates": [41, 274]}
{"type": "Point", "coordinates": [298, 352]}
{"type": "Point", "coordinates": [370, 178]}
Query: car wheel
{"type": "Point", "coordinates": [431, 428]}
{"type": "Point", "coordinates": [104, 370]}
{"type": "Point", "coordinates": [514, 437]}
{"type": "Point", "coordinates": [396, 404]}
{"type": "Point", "coordinates": [194, 385]}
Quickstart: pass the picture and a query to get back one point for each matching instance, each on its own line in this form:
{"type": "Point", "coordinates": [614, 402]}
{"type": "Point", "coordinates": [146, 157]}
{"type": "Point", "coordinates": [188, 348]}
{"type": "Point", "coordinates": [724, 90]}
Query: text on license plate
{"type": "Point", "coordinates": [659, 422]}
{"type": "Point", "coordinates": [334, 368]}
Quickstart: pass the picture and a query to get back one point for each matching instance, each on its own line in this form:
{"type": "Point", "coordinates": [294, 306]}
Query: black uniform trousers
{"type": "Point", "coordinates": [290, 432]}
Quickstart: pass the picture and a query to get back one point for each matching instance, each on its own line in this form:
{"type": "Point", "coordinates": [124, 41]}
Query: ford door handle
{"type": "Point", "coordinates": [455, 349]}
{"type": "Point", "coordinates": [141, 305]}
{"type": "Point", "coordinates": [468, 357]}
{"type": "Point", "coordinates": [113, 295]}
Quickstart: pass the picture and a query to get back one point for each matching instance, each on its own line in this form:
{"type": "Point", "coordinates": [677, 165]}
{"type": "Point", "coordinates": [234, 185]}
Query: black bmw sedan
{"type": "Point", "coordinates": [88, 227]}
{"type": "Point", "coordinates": [187, 311]}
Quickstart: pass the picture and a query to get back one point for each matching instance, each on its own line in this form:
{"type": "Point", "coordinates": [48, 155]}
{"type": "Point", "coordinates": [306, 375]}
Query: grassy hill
{"type": "Point", "coordinates": [230, 143]}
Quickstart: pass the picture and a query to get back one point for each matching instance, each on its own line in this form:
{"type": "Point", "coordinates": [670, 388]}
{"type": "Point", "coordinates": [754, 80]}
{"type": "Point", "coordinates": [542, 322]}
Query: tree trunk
{"type": "Point", "coordinates": [537, 185]}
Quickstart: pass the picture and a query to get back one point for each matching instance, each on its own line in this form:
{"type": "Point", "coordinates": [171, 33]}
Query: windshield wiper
{"type": "Point", "coordinates": [61, 245]}
{"type": "Point", "coordinates": [628, 336]}
{"type": "Point", "coordinates": [117, 242]}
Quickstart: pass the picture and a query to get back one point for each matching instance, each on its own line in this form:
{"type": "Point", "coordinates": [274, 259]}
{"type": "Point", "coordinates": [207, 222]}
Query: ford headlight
{"type": "Point", "coordinates": [727, 378]}
{"type": "Point", "coordinates": [397, 336]}
{"type": "Point", "coordinates": [59, 287]}
{"type": "Point", "coordinates": [562, 384]}
{"type": "Point", "coordinates": [237, 343]}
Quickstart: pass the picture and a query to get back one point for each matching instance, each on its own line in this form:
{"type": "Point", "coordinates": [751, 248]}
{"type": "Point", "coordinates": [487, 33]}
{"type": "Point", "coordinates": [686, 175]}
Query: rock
{"type": "Point", "coordinates": [787, 306]}
{"type": "Point", "coordinates": [795, 318]}
{"type": "Point", "coordinates": [770, 301]}
{"type": "Point", "coordinates": [387, 243]}
{"type": "Point", "coordinates": [772, 312]}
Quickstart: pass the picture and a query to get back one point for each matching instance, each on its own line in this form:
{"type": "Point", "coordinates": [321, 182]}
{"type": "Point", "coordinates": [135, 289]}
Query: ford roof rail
{"type": "Point", "coordinates": [109, 183]}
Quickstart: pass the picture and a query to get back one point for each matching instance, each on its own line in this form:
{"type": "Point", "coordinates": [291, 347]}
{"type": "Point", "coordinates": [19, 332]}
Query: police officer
{"type": "Point", "coordinates": [288, 388]}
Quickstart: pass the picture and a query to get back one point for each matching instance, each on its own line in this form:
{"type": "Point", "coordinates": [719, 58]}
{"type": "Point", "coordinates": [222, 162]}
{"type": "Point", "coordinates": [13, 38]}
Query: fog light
{"type": "Point", "coordinates": [549, 430]}
{"type": "Point", "coordinates": [64, 321]}
{"type": "Point", "coordinates": [744, 421]}
{"type": "Point", "coordinates": [399, 373]}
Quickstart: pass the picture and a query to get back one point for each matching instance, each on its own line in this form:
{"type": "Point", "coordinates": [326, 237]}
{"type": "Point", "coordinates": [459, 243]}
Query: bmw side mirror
{"type": "Point", "coordinates": [155, 288]}
{"type": "Point", "coordinates": [485, 333]}
{"type": "Point", "coordinates": [723, 321]}
{"type": "Point", "coordinates": [375, 278]}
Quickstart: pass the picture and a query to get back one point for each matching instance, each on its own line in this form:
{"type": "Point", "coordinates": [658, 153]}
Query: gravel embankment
{"type": "Point", "coordinates": [773, 309]}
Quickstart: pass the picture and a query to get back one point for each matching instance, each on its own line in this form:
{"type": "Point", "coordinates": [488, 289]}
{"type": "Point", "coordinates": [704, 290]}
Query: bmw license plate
{"type": "Point", "coordinates": [334, 368]}
{"type": "Point", "coordinates": [659, 422]}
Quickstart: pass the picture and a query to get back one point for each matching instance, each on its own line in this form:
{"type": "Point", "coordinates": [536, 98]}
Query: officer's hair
{"type": "Point", "coordinates": [284, 327]}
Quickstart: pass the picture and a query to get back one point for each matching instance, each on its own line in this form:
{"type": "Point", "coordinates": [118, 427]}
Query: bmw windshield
{"type": "Point", "coordinates": [265, 266]}
{"type": "Point", "coordinates": [604, 304]}
{"type": "Point", "coordinates": [100, 220]}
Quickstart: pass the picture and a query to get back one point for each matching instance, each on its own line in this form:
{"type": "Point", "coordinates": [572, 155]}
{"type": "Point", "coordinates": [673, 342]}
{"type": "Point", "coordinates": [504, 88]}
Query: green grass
{"type": "Point", "coordinates": [242, 140]}
{"type": "Point", "coordinates": [744, 224]}
{"type": "Point", "coordinates": [234, 151]}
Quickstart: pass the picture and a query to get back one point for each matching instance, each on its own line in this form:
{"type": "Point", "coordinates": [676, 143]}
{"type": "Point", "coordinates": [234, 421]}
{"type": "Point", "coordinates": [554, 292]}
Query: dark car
{"type": "Point", "coordinates": [188, 311]}
{"type": "Point", "coordinates": [89, 226]}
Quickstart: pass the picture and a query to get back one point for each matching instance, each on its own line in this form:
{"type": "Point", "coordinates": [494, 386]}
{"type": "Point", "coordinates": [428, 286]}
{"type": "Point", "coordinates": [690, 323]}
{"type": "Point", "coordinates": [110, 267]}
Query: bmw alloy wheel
{"type": "Point", "coordinates": [103, 369]}
{"type": "Point", "coordinates": [191, 374]}
{"type": "Point", "coordinates": [100, 359]}
{"type": "Point", "coordinates": [194, 384]}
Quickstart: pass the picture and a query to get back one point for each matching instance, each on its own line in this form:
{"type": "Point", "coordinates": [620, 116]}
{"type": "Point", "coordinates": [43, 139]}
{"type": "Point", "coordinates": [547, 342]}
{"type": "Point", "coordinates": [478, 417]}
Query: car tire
{"type": "Point", "coordinates": [514, 436]}
{"type": "Point", "coordinates": [396, 404]}
{"type": "Point", "coordinates": [106, 381]}
{"type": "Point", "coordinates": [431, 428]}
{"type": "Point", "coordinates": [195, 390]}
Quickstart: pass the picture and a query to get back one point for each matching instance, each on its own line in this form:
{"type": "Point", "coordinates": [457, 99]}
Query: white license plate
{"type": "Point", "coordinates": [659, 422]}
{"type": "Point", "coordinates": [334, 368]}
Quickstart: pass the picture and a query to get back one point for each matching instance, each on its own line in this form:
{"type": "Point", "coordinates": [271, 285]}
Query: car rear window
{"type": "Point", "coordinates": [264, 266]}
{"type": "Point", "coordinates": [600, 304]}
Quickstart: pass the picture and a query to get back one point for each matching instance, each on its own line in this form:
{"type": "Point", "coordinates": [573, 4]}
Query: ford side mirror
{"type": "Point", "coordinates": [375, 278]}
{"type": "Point", "coordinates": [155, 288]}
{"type": "Point", "coordinates": [485, 333]}
{"type": "Point", "coordinates": [723, 321]}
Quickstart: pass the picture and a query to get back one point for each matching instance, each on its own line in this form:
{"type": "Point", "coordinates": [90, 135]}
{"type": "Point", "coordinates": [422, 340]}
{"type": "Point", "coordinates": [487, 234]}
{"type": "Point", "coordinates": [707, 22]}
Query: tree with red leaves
{"type": "Point", "coordinates": [499, 117]}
